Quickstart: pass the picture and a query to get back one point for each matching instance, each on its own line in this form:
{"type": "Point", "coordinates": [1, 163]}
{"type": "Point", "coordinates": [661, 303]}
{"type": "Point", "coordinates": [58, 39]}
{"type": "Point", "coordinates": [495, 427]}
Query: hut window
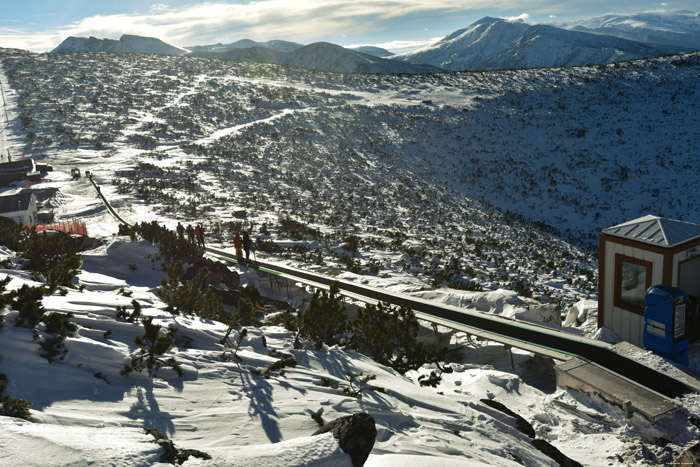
{"type": "Point", "coordinates": [632, 279]}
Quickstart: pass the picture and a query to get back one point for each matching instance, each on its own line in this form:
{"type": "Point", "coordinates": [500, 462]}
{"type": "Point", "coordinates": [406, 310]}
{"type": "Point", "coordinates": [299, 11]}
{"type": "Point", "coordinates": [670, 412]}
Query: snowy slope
{"type": "Point", "coordinates": [675, 28]}
{"type": "Point", "coordinates": [496, 44]}
{"type": "Point", "coordinates": [394, 164]}
{"type": "Point", "coordinates": [330, 57]}
{"type": "Point", "coordinates": [127, 43]}
{"type": "Point", "coordinates": [440, 176]}
{"type": "Point", "coordinates": [321, 56]}
{"type": "Point", "coordinates": [376, 51]}
{"type": "Point", "coordinates": [84, 411]}
{"type": "Point", "coordinates": [471, 48]}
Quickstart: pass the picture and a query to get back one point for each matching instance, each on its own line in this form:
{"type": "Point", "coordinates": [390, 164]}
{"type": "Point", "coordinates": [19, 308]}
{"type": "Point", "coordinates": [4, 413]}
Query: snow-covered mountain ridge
{"type": "Point", "coordinates": [321, 56]}
{"type": "Point", "coordinates": [487, 44]}
{"type": "Point", "coordinates": [496, 44]}
{"type": "Point", "coordinates": [676, 28]}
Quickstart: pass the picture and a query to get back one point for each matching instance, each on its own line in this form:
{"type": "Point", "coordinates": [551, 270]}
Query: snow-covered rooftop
{"type": "Point", "coordinates": [656, 230]}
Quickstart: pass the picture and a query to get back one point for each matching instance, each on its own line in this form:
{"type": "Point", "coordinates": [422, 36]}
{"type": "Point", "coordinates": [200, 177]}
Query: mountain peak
{"type": "Point", "coordinates": [128, 43]}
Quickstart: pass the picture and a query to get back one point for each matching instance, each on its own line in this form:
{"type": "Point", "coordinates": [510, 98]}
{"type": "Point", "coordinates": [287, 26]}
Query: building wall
{"type": "Point", "coordinates": [627, 325]}
{"type": "Point", "coordinates": [28, 217]}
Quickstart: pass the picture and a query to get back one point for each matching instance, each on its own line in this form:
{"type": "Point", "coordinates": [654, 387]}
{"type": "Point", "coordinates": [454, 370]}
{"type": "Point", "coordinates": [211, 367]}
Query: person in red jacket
{"type": "Point", "coordinates": [238, 245]}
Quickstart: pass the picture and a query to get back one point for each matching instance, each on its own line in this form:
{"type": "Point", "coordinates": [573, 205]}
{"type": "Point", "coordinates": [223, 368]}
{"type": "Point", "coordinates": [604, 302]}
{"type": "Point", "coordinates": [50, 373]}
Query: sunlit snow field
{"type": "Point", "coordinates": [438, 177]}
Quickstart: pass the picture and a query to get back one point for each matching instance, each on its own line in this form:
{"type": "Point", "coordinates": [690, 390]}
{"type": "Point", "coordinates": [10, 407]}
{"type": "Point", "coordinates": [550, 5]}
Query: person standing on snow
{"type": "Point", "coordinates": [180, 231]}
{"type": "Point", "coordinates": [199, 232]}
{"type": "Point", "coordinates": [247, 244]}
{"type": "Point", "coordinates": [238, 244]}
{"type": "Point", "coordinates": [190, 233]}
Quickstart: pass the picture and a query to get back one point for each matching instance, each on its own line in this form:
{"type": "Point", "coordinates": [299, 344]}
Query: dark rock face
{"type": "Point", "coordinates": [526, 428]}
{"type": "Point", "coordinates": [554, 453]}
{"type": "Point", "coordinates": [523, 425]}
{"type": "Point", "coordinates": [356, 435]}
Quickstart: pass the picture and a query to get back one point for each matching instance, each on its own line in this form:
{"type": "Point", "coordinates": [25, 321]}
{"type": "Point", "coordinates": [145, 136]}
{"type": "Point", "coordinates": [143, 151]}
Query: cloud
{"type": "Point", "coordinates": [521, 17]}
{"type": "Point", "coordinates": [218, 21]}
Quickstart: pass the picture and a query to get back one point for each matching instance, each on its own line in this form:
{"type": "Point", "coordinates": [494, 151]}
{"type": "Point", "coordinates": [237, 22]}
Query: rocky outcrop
{"type": "Point", "coordinates": [526, 428]}
{"type": "Point", "coordinates": [356, 435]}
{"type": "Point", "coordinates": [218, 273]}
{"type": "Point", "coordinates": [173, 455]}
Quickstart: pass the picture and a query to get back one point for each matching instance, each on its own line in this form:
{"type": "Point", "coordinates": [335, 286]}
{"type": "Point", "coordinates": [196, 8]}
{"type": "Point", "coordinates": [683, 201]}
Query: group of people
{"type": "Point", "coordinates": [243, 244]}
{"type": "Point", "coordinates": [193, 233]}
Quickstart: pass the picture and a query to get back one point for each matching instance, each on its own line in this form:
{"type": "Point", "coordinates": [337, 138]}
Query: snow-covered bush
{"type": "Point", "coordinates": [153, 344]}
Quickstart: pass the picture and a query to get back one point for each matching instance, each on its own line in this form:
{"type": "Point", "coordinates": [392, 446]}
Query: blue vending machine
{"type": "Point", "coordinates": [665, 317]}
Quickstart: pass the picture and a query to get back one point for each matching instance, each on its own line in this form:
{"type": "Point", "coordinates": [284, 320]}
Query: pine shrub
{"type": "Point", "coordinates": [53, 348]}
{"type": "Point", "coordinates": [130, 317]}
{"type": "Point", "coordinates": [17, 408]}
{"type": "Point", "coordinates": [172, 248]}
{"type": "Point", "coordinates": [190, 297]}
{"type": "Point", "coordinates": [59, 324]}
{"type": "Point", "coordinates": [358, 383]}
{"type": "Point", "coordinates": [27, 301]}
{"type": "Point", "coordinates": [153, 344]}
{"type": "Point", "coordinates": [325, 318]}
{"type": "Point", "coordinates": [53, 256]}
{"type": "Point", "coordinates": [389, 335]}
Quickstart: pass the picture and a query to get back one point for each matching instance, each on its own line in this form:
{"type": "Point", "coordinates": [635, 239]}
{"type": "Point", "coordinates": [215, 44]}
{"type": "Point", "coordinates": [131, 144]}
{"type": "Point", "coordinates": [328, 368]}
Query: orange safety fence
{"type": "Point", "coordinates": [69, 227]}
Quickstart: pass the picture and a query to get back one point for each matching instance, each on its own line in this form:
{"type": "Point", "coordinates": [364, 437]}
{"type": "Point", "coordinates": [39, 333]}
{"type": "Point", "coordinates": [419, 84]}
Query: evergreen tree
{"type": "Point", "coordinates": [388, 335]}
{"type": "Point", "coordinates": [325, 317]}
{"type": "Point", "coordinates": [27, 301]}
{"type": "Point", "coordinates": [245, 316]}
{"type": "Point", "coordinates": [58, 326]}
{"type": "Point", "coordinates": [190, 297]}
{"type": "Point", "coordinates": [169, 287]}
{"type": "Point", "coordinates": [4, 298]}
{"type": "Point", "coordinates": [18, 408]}
{"type": "Point", "coordinates": [53, 256]}
{"type": "Point", "coordinates": [153, 344]}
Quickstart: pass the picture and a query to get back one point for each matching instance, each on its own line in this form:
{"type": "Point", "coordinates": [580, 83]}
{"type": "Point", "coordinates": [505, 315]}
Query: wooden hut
{"type": "Point", "coordinates": [640, 253]}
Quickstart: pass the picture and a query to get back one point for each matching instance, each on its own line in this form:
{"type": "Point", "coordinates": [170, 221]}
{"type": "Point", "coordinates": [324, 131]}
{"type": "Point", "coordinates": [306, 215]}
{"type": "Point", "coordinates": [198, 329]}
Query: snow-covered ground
{"type": "Point", "coordinates": [85, 412]}
{"type": "Point", "coordinates": [321, 162]}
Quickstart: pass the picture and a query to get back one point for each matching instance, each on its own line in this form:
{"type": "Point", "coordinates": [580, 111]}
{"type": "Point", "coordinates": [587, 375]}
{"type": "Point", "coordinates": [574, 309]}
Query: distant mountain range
{"type": "Point", "coordinates": [680, 29]}
{"type": "Point", "coordinates": [495, 44]}
{"type": "Point", "coordinates": [126, 44]}
{"type": "Point", "coordinates": [488, 44]}
{"type": "Point", "coordinates": [321, 56]}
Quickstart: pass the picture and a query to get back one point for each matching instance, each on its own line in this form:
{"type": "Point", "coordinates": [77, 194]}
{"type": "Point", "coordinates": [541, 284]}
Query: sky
{"type": "Point", "coordinates": [396, 25]}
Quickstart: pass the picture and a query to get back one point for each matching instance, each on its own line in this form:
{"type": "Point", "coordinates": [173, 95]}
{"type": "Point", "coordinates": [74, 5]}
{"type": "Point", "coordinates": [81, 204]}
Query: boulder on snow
{"type": "Point", "coordinates": [355, 433]}
{"type": "Point", "coordinates": [218, 273]}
